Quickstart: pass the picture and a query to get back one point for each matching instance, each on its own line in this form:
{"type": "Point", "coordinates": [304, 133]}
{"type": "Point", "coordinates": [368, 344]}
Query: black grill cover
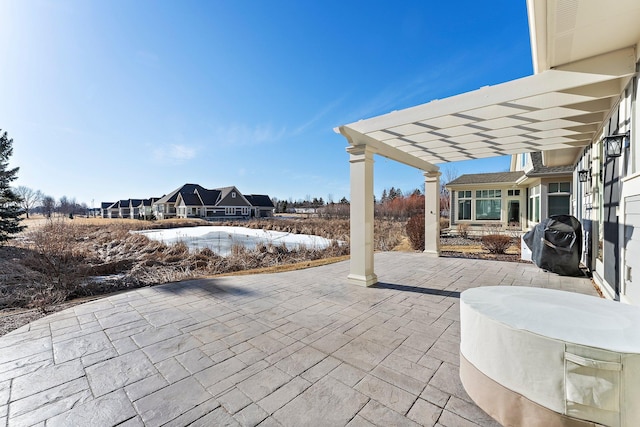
{"type": "Point", "coordinates": [556, 245]}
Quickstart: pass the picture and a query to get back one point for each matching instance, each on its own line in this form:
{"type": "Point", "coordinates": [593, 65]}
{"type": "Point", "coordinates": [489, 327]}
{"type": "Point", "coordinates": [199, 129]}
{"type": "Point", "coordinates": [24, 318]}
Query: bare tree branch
{"type": "Point", "coordinates": [29, 197]}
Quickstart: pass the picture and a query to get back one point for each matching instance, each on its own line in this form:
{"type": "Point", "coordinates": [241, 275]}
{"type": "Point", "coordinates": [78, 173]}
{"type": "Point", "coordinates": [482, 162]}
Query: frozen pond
{"type": "Point", "coordinates": [220, 239]}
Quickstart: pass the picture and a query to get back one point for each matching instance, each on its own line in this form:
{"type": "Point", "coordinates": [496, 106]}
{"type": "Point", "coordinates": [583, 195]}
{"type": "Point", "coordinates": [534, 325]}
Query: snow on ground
{"type": "Point", "coordinates": [220, 239]}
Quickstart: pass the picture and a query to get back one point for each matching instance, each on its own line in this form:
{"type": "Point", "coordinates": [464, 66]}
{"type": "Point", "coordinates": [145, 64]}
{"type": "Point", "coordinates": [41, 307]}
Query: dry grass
{"type": "Point", "coordinates": [57, 260]}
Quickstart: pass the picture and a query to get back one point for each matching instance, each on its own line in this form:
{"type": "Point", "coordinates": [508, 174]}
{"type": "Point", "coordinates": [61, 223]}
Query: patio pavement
{"type": "Point", "coordinates": [291, 349]}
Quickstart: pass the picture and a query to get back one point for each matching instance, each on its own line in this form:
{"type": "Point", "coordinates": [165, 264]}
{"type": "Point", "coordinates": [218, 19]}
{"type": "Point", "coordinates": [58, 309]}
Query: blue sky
{"type": "Point", "coordinates": [109, 100]}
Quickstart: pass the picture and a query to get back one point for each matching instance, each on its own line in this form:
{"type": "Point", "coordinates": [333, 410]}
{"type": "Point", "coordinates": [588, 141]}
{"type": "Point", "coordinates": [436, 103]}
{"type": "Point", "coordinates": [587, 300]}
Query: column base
{"type": "Point", "coordinates": [360, 280]}
{"type": "Point", "coordinates": [431, 253]}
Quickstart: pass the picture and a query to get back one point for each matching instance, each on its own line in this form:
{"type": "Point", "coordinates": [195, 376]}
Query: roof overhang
{"type": "Point", "coordinates": [556, 109]}
{"type": "Point", "coordinates": [566, 31]}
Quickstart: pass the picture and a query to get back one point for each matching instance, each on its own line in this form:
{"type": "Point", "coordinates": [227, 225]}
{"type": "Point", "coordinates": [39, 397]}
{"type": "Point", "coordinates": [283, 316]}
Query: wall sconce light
{"type": "Point", "coordinates": [613, 144]}
{"type": "Point", "coordinates": [583, 175]}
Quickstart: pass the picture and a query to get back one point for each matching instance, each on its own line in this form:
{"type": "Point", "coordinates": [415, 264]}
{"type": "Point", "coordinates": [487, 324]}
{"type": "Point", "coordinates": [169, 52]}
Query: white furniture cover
{"type": "Point", "coordinates": [525, 351]}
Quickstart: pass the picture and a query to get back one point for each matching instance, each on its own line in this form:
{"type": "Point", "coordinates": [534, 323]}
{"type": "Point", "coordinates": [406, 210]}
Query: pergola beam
{"type": "Point", "coordinates": [356, 138]}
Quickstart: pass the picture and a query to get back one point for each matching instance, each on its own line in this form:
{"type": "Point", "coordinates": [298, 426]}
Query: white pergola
{"type": "Point", "coordinates": [555, 111]}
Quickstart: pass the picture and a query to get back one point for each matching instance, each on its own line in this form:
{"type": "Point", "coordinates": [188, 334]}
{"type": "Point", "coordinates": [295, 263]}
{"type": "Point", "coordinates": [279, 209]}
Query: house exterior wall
{"type": "Point", "coordinates": [474, 218]}
{"type": "Point", "coordinates": [547, 193]}
{"type": "Point", "coordinates": [164, 210]}
{"type": "Point", "coordinates": [259, 212]}
{"type": "Point", "coordinates": [521, 162]}
{"type": "Point", "coordinates": [608, 204]}
{"type": "Point", "coordinates": [230, 200]}
{"type": "Point", "coordinates": [539, 198]}
{"type": "Point", "coordinates": [212, 212]}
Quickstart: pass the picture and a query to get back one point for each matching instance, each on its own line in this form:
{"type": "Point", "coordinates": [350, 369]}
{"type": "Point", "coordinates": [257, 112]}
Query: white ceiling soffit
{"type": "Point", "coordinates": [553, 110]}
{"type": "Point", "coordinates": [565, 31]}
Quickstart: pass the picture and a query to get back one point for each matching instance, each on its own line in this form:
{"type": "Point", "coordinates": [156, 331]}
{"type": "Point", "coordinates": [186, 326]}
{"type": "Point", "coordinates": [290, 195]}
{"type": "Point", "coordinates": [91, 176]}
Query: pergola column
{"type": "Point", "coordinates": [362, 209]}
{"type": "Point", "coordinates": [432, 213]}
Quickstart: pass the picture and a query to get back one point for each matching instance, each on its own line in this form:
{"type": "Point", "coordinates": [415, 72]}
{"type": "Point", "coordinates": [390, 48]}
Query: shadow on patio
{"type": "Point", "coordinates": [294, 348]}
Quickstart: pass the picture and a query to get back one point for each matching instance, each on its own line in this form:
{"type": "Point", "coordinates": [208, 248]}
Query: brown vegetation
{"type": "Point", "coordinates": [496, 243]}
{"type": "Point", "coordinates": [415, 232]}
{"type": "Point", "coordinates": [63, 259]}
{"type": "Point", "coordinates": [56, 260]}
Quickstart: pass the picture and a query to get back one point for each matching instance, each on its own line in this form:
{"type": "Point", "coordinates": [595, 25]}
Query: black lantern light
{"type": "Point", "coordinates": [583, 175]}
{"type": "Point", "coordinates": [613, 144]}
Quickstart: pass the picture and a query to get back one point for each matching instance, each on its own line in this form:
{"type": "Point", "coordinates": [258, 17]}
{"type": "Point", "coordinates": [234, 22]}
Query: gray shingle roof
{"type": "Point", "coordinates": [487, 178]}
{"type": "Point", "coordinates": [185, 189]}
{"type": "Point", "coordinates": [209, 197]}
{"type": "Point", "coordinates": [261, 200]}
{"type": "Point", "coordinates": [149, 202]}
{"type": "Point", "coordinates": [191, 199]}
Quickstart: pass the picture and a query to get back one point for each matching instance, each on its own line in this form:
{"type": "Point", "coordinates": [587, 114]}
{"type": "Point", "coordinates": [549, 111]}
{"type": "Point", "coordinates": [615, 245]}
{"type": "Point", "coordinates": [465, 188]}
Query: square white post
{"type": "Point", "coordinates": [432, 213]}
{"type": "Point", "coordinates": [361, 218]}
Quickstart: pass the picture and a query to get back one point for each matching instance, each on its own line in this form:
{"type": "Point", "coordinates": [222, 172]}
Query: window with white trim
{"type": "Point", "coordinates": [464, 205]}
{"type": "Point", "coordinates": [488, 205]}
{"type": "Point", "coordinates": [559, 198]}
{"type": "Point", "coordinates": [534, 204]}
{"type": "Point", "coordinates": [229, 211]}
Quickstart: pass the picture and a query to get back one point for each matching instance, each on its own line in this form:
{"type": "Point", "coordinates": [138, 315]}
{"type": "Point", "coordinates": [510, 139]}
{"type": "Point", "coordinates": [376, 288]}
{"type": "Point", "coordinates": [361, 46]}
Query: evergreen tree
{"type": "Point", "coordinates": [9, 201]}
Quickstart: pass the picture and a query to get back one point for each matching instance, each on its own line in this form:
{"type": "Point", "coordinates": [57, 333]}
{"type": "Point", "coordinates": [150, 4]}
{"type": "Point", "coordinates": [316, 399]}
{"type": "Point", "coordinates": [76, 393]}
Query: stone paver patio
{"type": "Point", "coordinates": [291, 349]}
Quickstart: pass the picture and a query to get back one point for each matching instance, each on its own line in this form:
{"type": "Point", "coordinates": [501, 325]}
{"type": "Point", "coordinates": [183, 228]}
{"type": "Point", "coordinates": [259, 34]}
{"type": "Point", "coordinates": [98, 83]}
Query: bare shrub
{"type": "Point", "coordinates": [415, 232]}
{"type": "Point", "coordinates": [388, 234]}
{"type": "Point", "coordinates": [491, 229]}
{"type": "Point", "coordinates": [514, 230]}
{"type": "Point", "coordinates": [463, 229]}
{"type": "Point", "coordinates": [444, 223]}
{"type": "Point", "coordinates": [496, 243]}
{"type": "Point", "coordinates": [57, 258]}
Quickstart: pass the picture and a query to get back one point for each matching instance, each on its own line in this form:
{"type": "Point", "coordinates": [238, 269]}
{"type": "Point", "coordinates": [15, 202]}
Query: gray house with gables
{"type": "Point", "coordinates": [534, 189]}
{"type": "Point", "coordinates": [195, 201]}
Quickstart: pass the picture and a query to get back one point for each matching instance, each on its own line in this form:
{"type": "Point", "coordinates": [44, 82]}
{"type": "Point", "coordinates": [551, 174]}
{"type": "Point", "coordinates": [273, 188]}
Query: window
{"type": "Point", "coordinates": [233, 194]}
{"type": "Point", "coordinates": [559, 187]}
{"type": "Point", "coordinates": [464, 205]}
{"type": "Point", "coordinates": [488, 204]}
{"type": "Point", "coordinates": [229, 211]}
{"type": "Point", "coordinates": [513, 193]}
{"type": "Point", "coordinates": [513, 212]}
{"type": "Point", "coordinates": [559, 198]}
{"type": "Point", "coordinates": [245, 211]}
{"type": "Point", "coordinates": [534, 204]}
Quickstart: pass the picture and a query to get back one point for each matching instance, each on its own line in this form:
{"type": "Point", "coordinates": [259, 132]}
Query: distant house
{"type": "Point", "coordinates": [193, 201]}
{"type": "Point", "coordinates": [225, 202]}
{"type": "Point", "coordinates": [104, 209]}
{"type": "Point", "coordinates": [117, 209]}
{"type": "Point", "coordinates": [261, 204]}
{"type": "Point", "coordinates": [165, 207]}
{"type": "Point", "coordinates": [144, 209]}
{"type": "Point", "coordinates": [518, 199]}
{"type": "Point", "coordinates": [126, 208]}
